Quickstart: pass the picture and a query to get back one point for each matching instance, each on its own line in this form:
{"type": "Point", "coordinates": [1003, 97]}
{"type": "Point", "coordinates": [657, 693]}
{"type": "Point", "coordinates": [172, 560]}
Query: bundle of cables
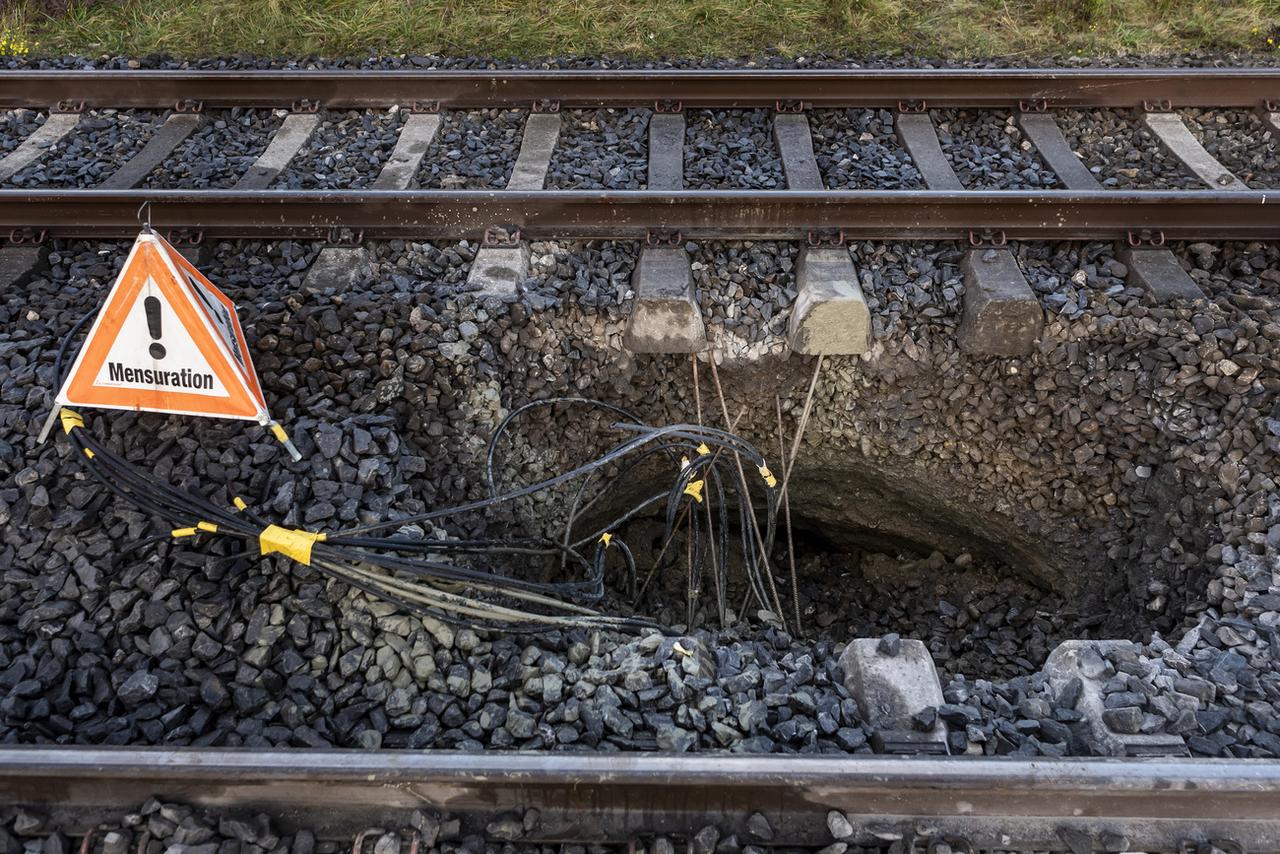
{"type": "Point", "coordinates": [709, 496]}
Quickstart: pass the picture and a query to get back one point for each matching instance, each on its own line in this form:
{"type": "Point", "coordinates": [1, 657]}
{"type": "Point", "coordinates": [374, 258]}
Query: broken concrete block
{"type": "Point", "coordinates": [1158, 272]}
{"type": "Point", "coordinates": [830, 313]}
{"type": "Point", "coordinates": [665, 317]}
{"type": "Point", "coordinates": [890, 689]}
{"type": "Point", "coordinates": [1002, 316]}
{"type": "Point", "coordinates": [499, 270]}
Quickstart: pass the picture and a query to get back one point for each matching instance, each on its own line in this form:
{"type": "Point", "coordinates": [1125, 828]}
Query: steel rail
{"type": "Point", "coordinates": [1035, 88]}
{"type": "Point", "coordinates": [1154, 804]}
{"type": "Point", "coordinates": [784, 214]}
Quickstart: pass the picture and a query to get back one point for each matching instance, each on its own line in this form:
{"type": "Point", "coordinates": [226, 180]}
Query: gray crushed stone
{"type": "Point", "coordinates": [601, 149]}
{"type": "Point", "coordinates": [474, 150]}
{"type": "Point", "coordinates": [1121, 153]}
{"type": "Point", "coordinates": [347, 151]}
{"type": "Point", "coordinates": [219, 152]}
{"type": "Point", "coordinates": [1241, 142]}
{"type": "Point", "coordinates": [101, 143]}
{"type": "Point", "coordinates": [858, 150]}
{"type": "Point", "coordinates": [731, 150]}
{"type": "Point", "coordinates": [988, 151]}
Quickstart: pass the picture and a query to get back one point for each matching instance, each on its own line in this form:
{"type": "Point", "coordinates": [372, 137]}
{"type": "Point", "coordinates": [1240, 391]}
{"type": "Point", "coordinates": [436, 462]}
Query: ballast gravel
{"type": "Point", "coordinates": [218, 152]}
{"type": "Point", "coordinates": [1241, 142]}
{"type": "Point", "coordinates": [346, 151]}
{"type": "Point", "coordinates": [731, 150]}
{"type": "Point", "coordinates": [473, 150]}
{"type": "Point", "coordinates": [604, 149]}
{"type": "Point", "coordinates": [101, 143]}
{"type": "Point", "coordinates": [988, 151]}
{"type": "Point", "coordinates": [16, 126]}
{"type": "Point", "coordinates": [858, 150]}
{"type": "Point", "coordinates": [1131, 427]}
{"type": "Point", "coordinates": [909, 287]}
{"type": "Point", "coordinates": [745, 290]}
{"type": "Point", "coordinates": [1122, 153]}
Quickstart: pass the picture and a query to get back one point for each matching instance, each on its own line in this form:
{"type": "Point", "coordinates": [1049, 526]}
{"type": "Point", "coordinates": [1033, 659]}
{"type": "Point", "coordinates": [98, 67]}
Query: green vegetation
{"type": "Point", "coordinates": [689, 28]}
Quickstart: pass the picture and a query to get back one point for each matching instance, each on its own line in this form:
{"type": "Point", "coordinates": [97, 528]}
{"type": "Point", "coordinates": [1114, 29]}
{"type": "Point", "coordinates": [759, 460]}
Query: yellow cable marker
{"type": "Point", "coordinates": [703, 450]}
{"type": "Point", "coordinates": [768, 476]}
{"type": "Point", "coordinates": [239, 503]}
{"type": "Point", "coordinates": [607, 539]}
{"type": "Point", "coordinates": [178, 533]}
{"type": "Point", "coordinates": [207, 526]}
{"type": "Point", "coordinates": [70, 419]}
{"type": "Point", "coordinates": [291, 542]}
{"type": "Point", "coordinates": [278, 432]}
{"type": "Point", "coordinates": [694, 490]}
{"type": "Point", "coordinates": [88, 453]}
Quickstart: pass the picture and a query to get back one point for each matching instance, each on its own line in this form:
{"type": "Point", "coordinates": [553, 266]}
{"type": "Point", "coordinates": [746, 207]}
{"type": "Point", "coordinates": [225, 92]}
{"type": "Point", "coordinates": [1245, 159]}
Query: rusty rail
{"type": "Point", "coordinates": [786, 214]}
{"type": "Point", "coordinates": [1033, 88]}
{"type": "Point", "coordinates": [1007, 804]}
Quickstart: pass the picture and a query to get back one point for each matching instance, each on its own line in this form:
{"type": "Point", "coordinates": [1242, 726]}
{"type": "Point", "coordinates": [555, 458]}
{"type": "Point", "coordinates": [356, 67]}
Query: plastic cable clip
{"type": "Point", "coordinates": [703, 450]}
{"type": "Point", "coordinates": [207, 526]}
{"type": "Point", "coordinates": [768, 476]}
{"type": "Point", "coordinates": [70, 419]}
{"type": "Point", "coordinates": [607, 539]}
{"type": "Point", "coordinates": [694, 490]}
{"type": "Point", "coordinates": [291, 542]}
{"type": "Point", "coordinates": [88, 453]}
{"type": "Point", "coordinates": [239, 503]}
{"type": "Point", "coordinates": [179, 533]}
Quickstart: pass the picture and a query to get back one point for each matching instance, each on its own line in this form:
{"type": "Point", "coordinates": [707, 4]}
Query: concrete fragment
{"type": "Point", "coordinates": [1160, 274]}
{"type": "Point", "coordinates": [919, 137]}
{"type": "Point", "coordinates": [1171, 130]}
{"type": "Point", "coordinates": [1002, 316]}
{"type": "Point", "coordinates": [795, 144]}
{"type": "Point", "coordinates": [19, 262]}
{"type": "Point", "coordinates": [540, 134]}
{"type": "Point", "coordinates": [337, 268]}
{"type": "Point", "coordinates": [890, 689]}
{"type": "Point", "coordinates": [666, 151]}
{"type": "Point", "coordinates": [830, 313]}
{"type": "Point", "coordinates": [294, 132]}
{"type": "Point", "coordinates": [412, 144]}
{"type": "Point", "coordinates": [664, 315]}
{"type": "Point", "coordinates": [36, 146]}
{"type": "Point", "coordinates": [499, 270]}
{"type": "Point", "coordinates": [1043, 131]}
{"type": "Point", "coordinates": [175, 129]}
{"type": "Point", "coordinates": [1068, 663]}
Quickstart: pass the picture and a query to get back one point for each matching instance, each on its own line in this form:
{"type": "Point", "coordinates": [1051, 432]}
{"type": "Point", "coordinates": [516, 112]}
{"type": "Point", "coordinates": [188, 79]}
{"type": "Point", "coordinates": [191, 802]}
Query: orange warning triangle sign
{"type": "Point", "coordinates": [166, 340]}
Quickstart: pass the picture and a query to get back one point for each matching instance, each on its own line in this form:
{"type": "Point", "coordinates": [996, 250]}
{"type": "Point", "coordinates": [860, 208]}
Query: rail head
{"type": "Point", "coordinates": [1036, 88]}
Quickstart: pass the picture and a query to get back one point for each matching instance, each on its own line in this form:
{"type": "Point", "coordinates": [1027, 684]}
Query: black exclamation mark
{"type": "Point", "coordinates": [151, 306]}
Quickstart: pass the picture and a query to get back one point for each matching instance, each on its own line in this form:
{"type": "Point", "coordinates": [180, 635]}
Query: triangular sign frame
{"type": "Point", "coordinates": [225, 385]}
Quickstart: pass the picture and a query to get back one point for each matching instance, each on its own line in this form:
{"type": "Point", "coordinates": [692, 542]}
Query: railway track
{"type": "Point", "coordinates": [1078, 208]}
{"type": "Point", "coordinates": [904, 804]}
{"type": "Point", "coordinates": [1169, 804]}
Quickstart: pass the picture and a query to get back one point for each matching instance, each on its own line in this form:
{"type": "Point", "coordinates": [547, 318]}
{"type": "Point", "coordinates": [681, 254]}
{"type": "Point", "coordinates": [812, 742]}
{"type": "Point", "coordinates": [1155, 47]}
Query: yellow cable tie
{"type": "Point", "coordinates": [694, 490]}
{"type": "Point", "coordinates": [278, 432]}
{"type": "Point", "coordinates": [88, 453]}
{"type": "Point", "coordinates": [239, 503]}
{"type": "Point", "coordinates": [703, 450]}
{"type": "Point", "coordinates": [768, 476]}
{"type": "Point", "coordinates": [178, 533]}
{"type": "Point", "coordinates": [607, 539]}
{"type": "Point", "coordinates": [291, 542]}
{"type": "Point", "coordinates": [207, 526]}
{"type": "Point", "coordinates": [70, 419]}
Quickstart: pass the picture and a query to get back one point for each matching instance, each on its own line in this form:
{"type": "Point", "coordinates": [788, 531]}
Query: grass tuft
{"type": "Point", "coordinates": [640, 28]}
